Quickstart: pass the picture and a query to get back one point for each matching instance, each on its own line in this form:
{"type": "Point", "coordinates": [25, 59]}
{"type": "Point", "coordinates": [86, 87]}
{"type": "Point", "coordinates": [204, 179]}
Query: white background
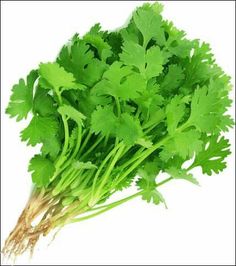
{"type": "Point", "coordinates": [198, 227]}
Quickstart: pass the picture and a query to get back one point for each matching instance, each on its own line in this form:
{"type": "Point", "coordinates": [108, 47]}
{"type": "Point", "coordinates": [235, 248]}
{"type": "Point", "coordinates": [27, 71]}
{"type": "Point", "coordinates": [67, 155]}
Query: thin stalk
{"type": "Point", "coordinates": [134, 158]}
{"type": "Point", "coordinates": [145, 154]}
{"type": "Point", "coordinates": [79, 137]}
{"type": "Point", "coordinates": [85, 142]}
{"type": "Point", "coordinates": [103, 164]}
{"type": "Point", "coordinates": [92, 147]}
{"type": "Point", "coordinates": [148, 129]}
{"type": "Point", "coordinates": [164, 181]}
{"type": "Point", "coordinates": [61, 158]}
{"type": "Point", "coordinates": [149, 151]}
{"type": "Point", "coordinates": [118, 106]}
{"type": "Point", "coordinates": [106, 140]}
{"type": "Point", "coordinates": [107, 205]}
{"type": "Point", "coordinates": [108, 172]}
{"type": "Point", "coordinates": [111, 206]}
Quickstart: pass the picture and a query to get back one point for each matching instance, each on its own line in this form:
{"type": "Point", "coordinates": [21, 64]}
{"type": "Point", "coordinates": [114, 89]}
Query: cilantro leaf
{"type": "Point", "coordinates": [148, 20]}
{"type": "Point", "coordinates": [172, 79]}
{"type": "Point", "coordinates": [150, 62]}
{"type": "Point", "coordinates": [133, 54]}
{"type": "Point", "coordinates": [128, 129]}
{"type": "Point", "coordinates": [43, 103]}
{"type": "Point", "coordinates": [184, 144]}
{"type": "Point", "coordinates": [72, 113]}
{"type": "Point", "coordinates": [51, 146]}
{"type": "Point", "coordinates": [154, 60]}
{"type": "Point", "coordinates": [42, 169]}
{"type": "Point", "coordinates": [207, 108]}
{"type": "Point", "coordinates": [153, 196]}
{"type": "Point", "coordinates": [175, 111]}
{"type": "Point", "coordinates": [99, 124]}
{"type": "Point", "coordinates": [95, 38]}
{"type": "Point", "coordinates": [177, 173]}
{"type": "Point", "coordinates": [56, 76]}
{"type": "Point", "coordinates": [120, 82]}
{"type": "Point", "coordinates": [39, 129]}
{"type": "Point", "coordinates": [148, 173]}
{"type": "Point", "coordinates": [21, 100]}
{"type": "Point", "coordinates": [211, 158]}
{"type": "Point", "coordinates": [176, 42]}
{"type": "Point", "coordinates": [79, 60]}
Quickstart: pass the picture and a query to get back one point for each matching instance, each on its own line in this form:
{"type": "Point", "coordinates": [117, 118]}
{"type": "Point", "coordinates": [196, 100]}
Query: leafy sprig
{"type": "Point", "coordinates": [138, 101]}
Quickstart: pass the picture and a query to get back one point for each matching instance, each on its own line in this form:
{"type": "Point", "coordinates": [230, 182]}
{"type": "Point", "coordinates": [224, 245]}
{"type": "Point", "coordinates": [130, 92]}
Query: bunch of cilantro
{"type": "Point", "coordinates": [138, 101]}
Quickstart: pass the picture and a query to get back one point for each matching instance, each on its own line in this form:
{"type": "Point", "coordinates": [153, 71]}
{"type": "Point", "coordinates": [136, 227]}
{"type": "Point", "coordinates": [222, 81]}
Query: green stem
{"type": "Point", "coordinates": [138, 113]}
{"type": "Point", "coordinates": [106, 175]}
{"type": "Point", "coordinates": [118, 114]}
{"type": "Point", "coordinates": [149, 151]}
{"type": "Point", "coordinates": [106, 140]}
{"type": "Point", "coordinates": [137, 155]}
{"type": "Point", "coordinates": [145, 154]}
{"type": "Point", "coordinates": [103, 164]}
{"type": "Point", "coordinates": [111, 206]}
{"type": "Point", "coordinates": [66, 130]}
{"type": "Point", "coordinates": [85, 142]}
{"type": "Point", "coordinates": [92, 147]}
{"type": "Point", "coordinates": [61, 158]}
{"type": "Point", "coordinates": [107, 205]}
{"type": "Point", "coordinates": [164, 181]}
{"type": "Point", "coordinates": [118, 106]}
{"type": "Point", "coordinates": [79, 137]}
{"type": "Point", "coordinates": [147, 127]}
{"type": "Point", "coordinates": [145, 43]}
{"type": "Point", "coordinates": [61, 184]}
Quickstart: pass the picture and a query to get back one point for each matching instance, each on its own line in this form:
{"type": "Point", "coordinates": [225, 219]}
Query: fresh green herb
{"type": "Point", "coordinates": [114, 105]}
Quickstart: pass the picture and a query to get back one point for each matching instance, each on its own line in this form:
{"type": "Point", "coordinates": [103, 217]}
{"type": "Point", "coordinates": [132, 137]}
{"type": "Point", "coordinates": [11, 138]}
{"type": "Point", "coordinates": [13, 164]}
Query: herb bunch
{"type": "Point", "coordinates": [138, 101]}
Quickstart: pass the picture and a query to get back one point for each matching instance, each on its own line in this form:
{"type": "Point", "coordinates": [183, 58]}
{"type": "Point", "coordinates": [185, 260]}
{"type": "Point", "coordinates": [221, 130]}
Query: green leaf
{"type": "Point", "coordinates": [43, 103]}
{"type": "Point", "coordinates": [148, 172]}
{"type": "Point", "coordinates": [156, 116]}
{"type": "Point", "coordinates": [95, 38]}
{"type": "Point", "coordinates": [42, 169]}
{"type": "Point", "coordinates": [128, 129]}
{"type": "Point", "coordinates": [133, 54]}
{"type": "Point", "coordinates": [175, 111]}
{"type": "Point", "coordinates": [120, 82]}
{"type": "Point", "coordinates": [103, 120]}
{"type": "Point", "coordinates": [79, 60]}
{"type": "Point", "coordinates": [176, 43]}
{"type": "Point", "coordinates": [56, 76]}
{"type": "Point", "coordinates": [185, 144]}
{"type": "Point", "coordinates": [51, 146]}
{"type": "Point", "coordinates": [72, 113]}
{"type": "Point", "coordinates": [211, 158]}
{"type": "Point", "coordinates": [153, 196]}
{"type": "Point", "coordinates": [39, 130]}
{"type": "Point", "coordinates": [150, 63]}
{"type": "Point", "coordinates": [179, 173]}
{"type": "Point", "coordinates": [21, 100]}
{"type": "Point", "coordinates": [154, 60]}
{"type": "Point", "coordinates": [149, 22]}
{"type": "Point", "coordinates": [207, 109]}
{"type": "Point", "coordinates": [172, 79]}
